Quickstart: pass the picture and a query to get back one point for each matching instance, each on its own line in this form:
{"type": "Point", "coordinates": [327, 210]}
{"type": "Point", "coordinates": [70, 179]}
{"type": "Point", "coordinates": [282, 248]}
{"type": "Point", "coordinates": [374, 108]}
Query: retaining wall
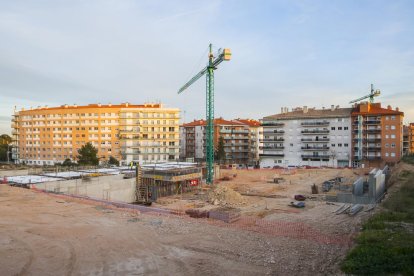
{"type": "Point", "coordinates": [112, 187]}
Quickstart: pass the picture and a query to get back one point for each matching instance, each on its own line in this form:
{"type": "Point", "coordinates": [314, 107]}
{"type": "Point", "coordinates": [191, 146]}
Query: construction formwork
{"type": "Point", "coordinates": [168, 179]}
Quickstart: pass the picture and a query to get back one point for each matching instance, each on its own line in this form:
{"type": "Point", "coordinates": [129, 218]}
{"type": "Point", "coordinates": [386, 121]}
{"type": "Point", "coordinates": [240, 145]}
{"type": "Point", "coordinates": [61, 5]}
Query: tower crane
{"type": "Point", "coordinates": [213, 62]}
{"type": "Point", "coordinates": [374, 93]}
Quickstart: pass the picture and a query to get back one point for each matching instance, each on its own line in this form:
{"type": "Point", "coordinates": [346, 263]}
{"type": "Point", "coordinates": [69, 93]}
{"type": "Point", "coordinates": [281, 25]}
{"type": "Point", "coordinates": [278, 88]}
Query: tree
{"type": "Point", "coordinates": [67, 162]}
{"type": "Point", "coordinates": [5, 147]}
{"type": "Point", "coordinates": [220, 154]}
{"type": "Point", "coordinates": [88, 155]}
{"type": "Point", "coordinates": [113, 161]}
{"type": "Point", "coordinates": [5, 139]}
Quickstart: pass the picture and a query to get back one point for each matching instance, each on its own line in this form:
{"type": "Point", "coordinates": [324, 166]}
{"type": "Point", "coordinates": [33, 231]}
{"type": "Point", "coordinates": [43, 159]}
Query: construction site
{"type": "Point", "coordinates": [162, 219]}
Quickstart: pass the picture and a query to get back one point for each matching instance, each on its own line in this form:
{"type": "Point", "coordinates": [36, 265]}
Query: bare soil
{"type": "Point", "coordinates": [42, 234]}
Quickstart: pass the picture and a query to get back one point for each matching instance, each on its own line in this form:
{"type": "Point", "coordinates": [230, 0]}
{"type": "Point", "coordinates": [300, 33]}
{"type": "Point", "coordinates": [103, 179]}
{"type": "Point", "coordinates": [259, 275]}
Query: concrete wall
{"type": "Point", "coordinates": [112, 187]}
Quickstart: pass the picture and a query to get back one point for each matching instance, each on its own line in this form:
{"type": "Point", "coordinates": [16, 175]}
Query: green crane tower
{"type": "Point", "coordinates": [213, 62]}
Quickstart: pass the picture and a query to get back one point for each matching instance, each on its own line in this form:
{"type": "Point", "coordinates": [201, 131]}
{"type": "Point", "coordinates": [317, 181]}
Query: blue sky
{"type": "Point", "coordinates": [285, 53]}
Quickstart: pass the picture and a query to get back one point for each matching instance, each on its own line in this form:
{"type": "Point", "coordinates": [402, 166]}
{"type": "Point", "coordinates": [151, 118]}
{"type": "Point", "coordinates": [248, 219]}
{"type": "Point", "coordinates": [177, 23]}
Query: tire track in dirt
{"type": "Point", "coordinates": [72, 258]}
{"type": "Point", "coordinates": [25, 269]}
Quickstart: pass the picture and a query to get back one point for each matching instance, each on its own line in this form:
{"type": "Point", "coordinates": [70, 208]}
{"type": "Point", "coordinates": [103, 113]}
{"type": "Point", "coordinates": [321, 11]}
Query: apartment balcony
{"type": "Point", "coordinates": [271, 131]}
{"type": "Point", "coordinates": [373, 131]}
{"type": "Point", "coordinates": [372, 140]}
{"type": "Point", "coordinates": [274, 124]}
{"type": "Point", "coordinates": [128, 131]}
{"type": "Point", "coordinates": [315, 148]}
{"type": "Point", "coordinates": [235, 131]}
{"type": "Point", "coordinates": [315, 123]}
{"type": "Point", "coordinates": [233, 137]}
{"type": "Point", "coordinates": [271, 154]}
{"type": "Point", "coordinates": [131, 138]}
{"type": "Point", "coordinates": [272, 148]}
{"type": "Point", "coordinates": [319, 140]}
{"type": "Point", "coordinates": [236, 144]}
{"type": "Point", "coordinates": [372, 122]}
{"type": "Point", "coordinates": [271, 140]}
{"type": "Point", "coordinates": [314, 131]}
{"type": "Point", "coordinates": [319, 156]}
{"type": "Point", "coordinates": [373, 149]}
{"type": "Point", "coordinates": [367, 122]}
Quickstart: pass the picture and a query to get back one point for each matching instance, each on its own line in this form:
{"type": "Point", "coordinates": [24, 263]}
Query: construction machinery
{"type": "Point", "coordinates": [213, 62]}
{"type": "Point", "coordinates": [374, 93]}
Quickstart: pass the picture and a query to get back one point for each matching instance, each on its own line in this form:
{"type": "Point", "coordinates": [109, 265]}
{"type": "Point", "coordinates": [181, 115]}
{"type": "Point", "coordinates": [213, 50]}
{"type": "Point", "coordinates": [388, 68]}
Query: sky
{"type": "Point", "coordinates": [285, 53]}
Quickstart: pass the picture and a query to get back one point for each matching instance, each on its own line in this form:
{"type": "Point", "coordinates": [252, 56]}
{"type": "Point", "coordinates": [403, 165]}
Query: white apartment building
{"type": "Point", "coordinates": [307, 137]}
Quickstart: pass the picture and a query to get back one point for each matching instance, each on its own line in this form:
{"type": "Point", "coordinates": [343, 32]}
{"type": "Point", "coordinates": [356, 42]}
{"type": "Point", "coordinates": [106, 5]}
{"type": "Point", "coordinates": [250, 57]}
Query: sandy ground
{"type": "Point", "coordinates": [42, 234]}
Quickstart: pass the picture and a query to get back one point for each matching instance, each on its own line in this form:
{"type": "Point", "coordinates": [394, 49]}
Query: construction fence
{"type": "Point", "coordinates": [221, 218]}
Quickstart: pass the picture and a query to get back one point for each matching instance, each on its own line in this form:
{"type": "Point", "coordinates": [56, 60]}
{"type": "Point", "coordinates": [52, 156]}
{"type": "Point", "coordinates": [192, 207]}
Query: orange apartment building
{"type": "Point", "coordinates": [408, 139]}
{"type": "Point", "coordinates": [49, 135]}
{"type": "Point", "coordinates": [376, 134]}
{"type": "Point", "coordinates": [240, 140]}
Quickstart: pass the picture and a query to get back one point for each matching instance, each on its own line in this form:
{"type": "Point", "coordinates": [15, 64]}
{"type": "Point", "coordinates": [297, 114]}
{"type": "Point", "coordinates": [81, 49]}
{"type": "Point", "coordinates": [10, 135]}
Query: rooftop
{"type": "Point", "coordinates": [218, 121]}
{"type": "Point", "coordinates": [308, 113]}
{"type": "Point", "coordinates": [98, 105]}
{"type": "Point", "coordinates": [374, 109]}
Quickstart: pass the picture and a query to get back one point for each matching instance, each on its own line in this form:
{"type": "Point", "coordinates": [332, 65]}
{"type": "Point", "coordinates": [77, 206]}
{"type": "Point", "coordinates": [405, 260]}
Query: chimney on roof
{"type": "Point", "coordinates": [305, 109]}
{"type": "Point", "coordinates": [389, 107]}
{"type": "Point", "coordinates": [332, 107]}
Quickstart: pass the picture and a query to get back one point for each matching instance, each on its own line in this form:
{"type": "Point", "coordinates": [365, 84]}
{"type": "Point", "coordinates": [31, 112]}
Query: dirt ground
{"type": "Point", "coordinates": [42, 234]}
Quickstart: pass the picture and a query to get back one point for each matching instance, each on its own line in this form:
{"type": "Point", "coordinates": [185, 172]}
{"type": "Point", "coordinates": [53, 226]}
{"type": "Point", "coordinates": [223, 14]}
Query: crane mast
{"type": "Point", "coordinates": [213, 62]}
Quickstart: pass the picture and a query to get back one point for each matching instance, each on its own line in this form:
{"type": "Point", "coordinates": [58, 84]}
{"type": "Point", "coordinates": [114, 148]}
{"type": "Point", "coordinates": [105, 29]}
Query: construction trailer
{"type": "Point", "coordinates": [158, 180]}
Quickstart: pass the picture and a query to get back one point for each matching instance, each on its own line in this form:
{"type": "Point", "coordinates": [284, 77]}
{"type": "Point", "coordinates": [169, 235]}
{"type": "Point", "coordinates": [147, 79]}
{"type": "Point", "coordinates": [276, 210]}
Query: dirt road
{"type": "Point", "coordinates": [45, 235]}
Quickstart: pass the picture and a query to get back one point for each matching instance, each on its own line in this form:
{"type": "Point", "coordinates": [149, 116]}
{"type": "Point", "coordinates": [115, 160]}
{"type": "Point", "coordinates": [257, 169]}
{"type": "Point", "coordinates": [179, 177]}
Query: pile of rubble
{"type": "Point", "coordinates": [225, 196]}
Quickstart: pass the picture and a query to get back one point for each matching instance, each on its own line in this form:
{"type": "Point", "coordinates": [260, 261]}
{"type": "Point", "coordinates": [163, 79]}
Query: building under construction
{"type": "Point", "coordinates": [157, 180]}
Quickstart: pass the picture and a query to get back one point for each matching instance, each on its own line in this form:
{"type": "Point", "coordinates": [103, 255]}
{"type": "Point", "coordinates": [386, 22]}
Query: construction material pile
{"type": "Point", "coordinates": [225, 196]}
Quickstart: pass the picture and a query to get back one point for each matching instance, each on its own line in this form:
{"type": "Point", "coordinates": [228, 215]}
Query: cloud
{"type": "Point", "coordinates": [56, 52]}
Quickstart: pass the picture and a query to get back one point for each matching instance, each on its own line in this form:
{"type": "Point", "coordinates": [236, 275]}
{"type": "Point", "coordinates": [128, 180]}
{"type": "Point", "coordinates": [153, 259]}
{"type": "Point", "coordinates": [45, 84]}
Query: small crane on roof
{"type": "Point", "coordinates": [374, 93]}
{"type": "Point", "coordinates": [213, 62]}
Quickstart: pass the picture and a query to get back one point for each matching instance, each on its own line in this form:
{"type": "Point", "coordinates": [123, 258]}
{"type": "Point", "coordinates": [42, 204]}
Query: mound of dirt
{"type": "Point", "coordinates": [225, 196]}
